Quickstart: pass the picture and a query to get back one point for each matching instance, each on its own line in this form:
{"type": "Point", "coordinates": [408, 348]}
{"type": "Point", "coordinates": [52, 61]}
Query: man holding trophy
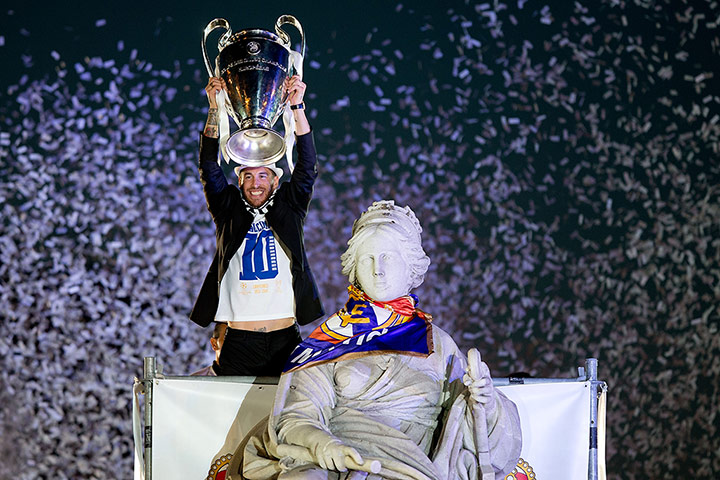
{"type": "Point", "coordinates": [260, 281]}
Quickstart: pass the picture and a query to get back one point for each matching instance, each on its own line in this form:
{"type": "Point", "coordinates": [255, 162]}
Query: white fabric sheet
{"type": "Point", "coordinates": [193, 420]}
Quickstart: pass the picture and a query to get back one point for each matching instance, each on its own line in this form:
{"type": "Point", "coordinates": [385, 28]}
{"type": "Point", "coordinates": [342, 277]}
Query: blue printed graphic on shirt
{"type": "Point", "coordinates": [259, 260]}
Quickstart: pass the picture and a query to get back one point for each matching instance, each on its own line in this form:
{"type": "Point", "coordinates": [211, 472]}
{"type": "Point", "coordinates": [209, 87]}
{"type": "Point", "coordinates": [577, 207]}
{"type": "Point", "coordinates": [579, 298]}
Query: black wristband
{"type": "Point", "coordinates": [299, 106]}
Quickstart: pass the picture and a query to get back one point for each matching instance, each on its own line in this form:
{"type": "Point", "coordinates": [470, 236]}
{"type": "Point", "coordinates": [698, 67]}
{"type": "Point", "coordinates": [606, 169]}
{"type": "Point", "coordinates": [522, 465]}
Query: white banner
{"type": "Point", "coordinates": [555, 422]}
{"type": "Point", "coordinates": [198, 420]}
{"type": "Point", "coordinates": [191, 419]}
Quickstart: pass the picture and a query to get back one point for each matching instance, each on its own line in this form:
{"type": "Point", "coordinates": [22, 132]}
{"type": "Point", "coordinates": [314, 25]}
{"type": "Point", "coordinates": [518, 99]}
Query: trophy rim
{"type": "Point", "coordinates": [258, 32]}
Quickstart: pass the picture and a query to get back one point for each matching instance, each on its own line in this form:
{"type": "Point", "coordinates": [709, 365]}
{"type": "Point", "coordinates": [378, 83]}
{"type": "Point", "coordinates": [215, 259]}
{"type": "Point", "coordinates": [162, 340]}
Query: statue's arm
{"type": "Point", "coordinates": [307, 407]}
{"type": "Point", "coordinates": [504, 435]}
{"type": "Point", "coordinates": [499, 414]}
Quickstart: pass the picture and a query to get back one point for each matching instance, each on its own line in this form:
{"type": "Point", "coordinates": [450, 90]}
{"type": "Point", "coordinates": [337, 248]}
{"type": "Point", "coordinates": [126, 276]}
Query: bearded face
{"type": "Point", "coordinates": [257, 184]}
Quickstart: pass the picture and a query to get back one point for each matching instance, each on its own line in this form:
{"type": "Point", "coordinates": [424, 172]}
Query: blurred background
{"type": "Point", "coordinates": [562, 158]}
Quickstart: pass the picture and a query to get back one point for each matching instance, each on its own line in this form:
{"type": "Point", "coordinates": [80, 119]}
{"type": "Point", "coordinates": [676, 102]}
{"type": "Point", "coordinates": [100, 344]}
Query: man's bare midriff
{"type": "Point", "coordinates": [263, 325]}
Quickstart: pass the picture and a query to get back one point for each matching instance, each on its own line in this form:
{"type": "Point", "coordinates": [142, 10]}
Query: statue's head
{"type": "Point", "coordinates": [385, 257]}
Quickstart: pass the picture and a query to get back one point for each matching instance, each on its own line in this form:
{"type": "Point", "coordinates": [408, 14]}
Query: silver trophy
{"type": "Point", "coordinates": [254, 64]}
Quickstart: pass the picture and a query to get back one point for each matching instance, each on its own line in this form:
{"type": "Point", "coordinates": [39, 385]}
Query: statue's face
{"type": "Point", "coordinates": [380, 269]}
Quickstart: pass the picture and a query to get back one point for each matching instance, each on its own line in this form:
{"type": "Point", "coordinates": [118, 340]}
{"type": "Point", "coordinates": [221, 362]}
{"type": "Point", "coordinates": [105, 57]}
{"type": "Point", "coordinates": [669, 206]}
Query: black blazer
{"type": "Point", "coordinates": [232, 221]}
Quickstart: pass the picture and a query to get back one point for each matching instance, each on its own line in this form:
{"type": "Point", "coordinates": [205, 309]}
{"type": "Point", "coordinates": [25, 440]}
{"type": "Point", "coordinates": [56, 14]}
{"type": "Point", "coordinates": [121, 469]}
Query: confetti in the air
{"type": "Point", "coordinates": [563, 161]}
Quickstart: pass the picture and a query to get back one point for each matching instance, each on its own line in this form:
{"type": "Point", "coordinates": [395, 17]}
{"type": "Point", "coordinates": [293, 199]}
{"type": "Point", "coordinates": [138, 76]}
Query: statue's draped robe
{"type": "Point", "coordinates": [411, 413]}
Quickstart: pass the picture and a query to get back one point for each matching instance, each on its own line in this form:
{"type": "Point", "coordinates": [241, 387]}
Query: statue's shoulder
{"type": "Point", "coordinates": [442, 335]}
{"type": "Point", "coordinates": [444, 344]}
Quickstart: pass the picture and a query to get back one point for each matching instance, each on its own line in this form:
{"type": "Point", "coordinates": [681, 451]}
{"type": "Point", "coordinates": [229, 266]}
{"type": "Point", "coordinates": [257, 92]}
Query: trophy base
{"type": "Point", "coordinates": [256, 146]}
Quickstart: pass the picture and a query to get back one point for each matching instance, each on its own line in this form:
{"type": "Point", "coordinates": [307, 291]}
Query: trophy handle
{"type": "Point", "coordinates": [289, 19]}
{"type": "Point", "coordinates": [217, 23]}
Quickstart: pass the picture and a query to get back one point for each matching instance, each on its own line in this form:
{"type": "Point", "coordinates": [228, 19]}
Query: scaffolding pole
{"type": "Point", "coordinates": [149, 375]}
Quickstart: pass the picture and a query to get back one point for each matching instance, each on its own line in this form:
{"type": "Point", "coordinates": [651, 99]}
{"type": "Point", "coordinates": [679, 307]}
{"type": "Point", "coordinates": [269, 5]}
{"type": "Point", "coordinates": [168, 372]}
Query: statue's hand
{"type": "Point", "coordinates": [351, 461]}
{"type": "Point", "coordinates": [330, 453]}
{"type": "Point", "coordinates": [479, 382]}
{"type": "Point", "coordinates": [333, 456]}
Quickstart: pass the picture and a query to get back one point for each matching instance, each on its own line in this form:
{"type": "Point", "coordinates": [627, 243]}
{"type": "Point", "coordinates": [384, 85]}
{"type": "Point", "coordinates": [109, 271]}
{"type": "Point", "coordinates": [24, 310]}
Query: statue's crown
{"type": "Point", "coordinates": [386, 212]}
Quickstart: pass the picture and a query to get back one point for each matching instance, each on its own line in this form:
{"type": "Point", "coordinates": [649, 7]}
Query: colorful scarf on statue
{"type": "Point", "coordinates": [365, 327]}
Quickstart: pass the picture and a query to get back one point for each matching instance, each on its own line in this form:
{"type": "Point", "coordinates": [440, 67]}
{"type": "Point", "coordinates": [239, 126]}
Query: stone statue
{"type": "Point", "coordinates": [377, 391]}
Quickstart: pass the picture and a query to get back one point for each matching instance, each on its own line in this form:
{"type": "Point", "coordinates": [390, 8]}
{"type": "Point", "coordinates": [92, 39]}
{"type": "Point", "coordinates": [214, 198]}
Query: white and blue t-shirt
{"type": "Point", "coordinates": [258, 283]}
